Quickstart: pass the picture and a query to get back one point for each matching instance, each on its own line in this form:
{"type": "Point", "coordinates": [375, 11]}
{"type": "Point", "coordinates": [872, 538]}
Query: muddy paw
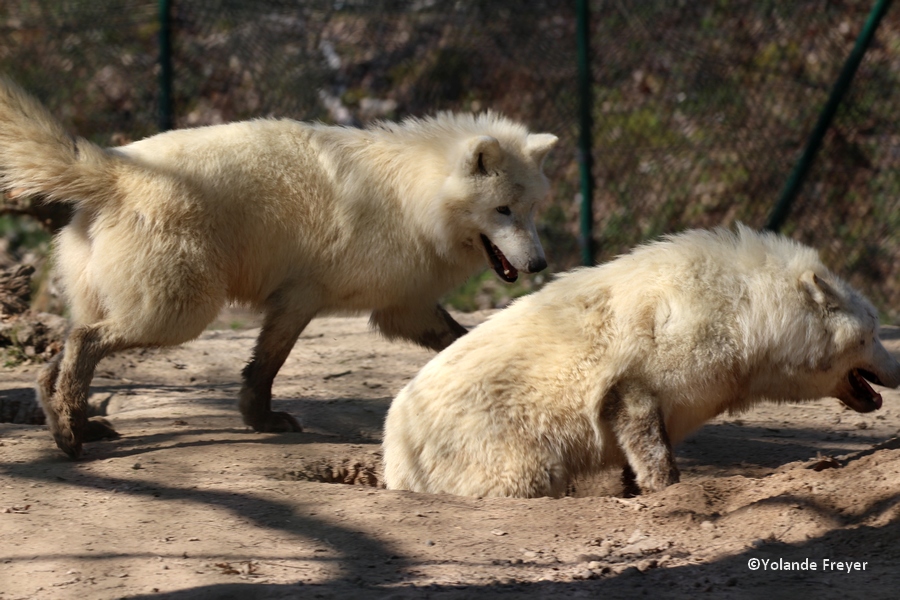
{"type": "Point", "coordinates": [68, 442]}
{"type": "Point", "coordinates": [99, 428]}
{"type": "Point", "coordinates": [658, 481]}
{"type": "Point", "coordinates": [276, 422]}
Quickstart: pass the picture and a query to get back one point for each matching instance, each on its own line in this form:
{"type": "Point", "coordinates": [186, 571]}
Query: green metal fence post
{"type": "Point", "coordinates": [585, 137]}
{"type": "Point", "coordinates": [165, 66]}
{"type": "Point", "coordinates": [801, 169]}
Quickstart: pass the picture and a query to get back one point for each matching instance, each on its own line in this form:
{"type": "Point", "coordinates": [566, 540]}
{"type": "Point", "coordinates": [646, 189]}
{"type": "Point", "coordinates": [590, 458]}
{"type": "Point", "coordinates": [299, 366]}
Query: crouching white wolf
{"type": "Point", "coordinates": [293, 218]}
{"type": "Point", "coordinates": [612, 365]}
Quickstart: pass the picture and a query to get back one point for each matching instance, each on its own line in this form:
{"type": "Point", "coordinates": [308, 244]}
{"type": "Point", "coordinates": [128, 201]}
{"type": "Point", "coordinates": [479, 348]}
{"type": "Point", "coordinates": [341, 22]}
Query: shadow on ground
{"type": "Point", "coordinates": [781, 571]}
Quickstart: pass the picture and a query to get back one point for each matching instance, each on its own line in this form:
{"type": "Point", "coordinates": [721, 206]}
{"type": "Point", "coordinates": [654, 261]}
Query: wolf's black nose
{"type": "Point", "coordinates": [537, 264]}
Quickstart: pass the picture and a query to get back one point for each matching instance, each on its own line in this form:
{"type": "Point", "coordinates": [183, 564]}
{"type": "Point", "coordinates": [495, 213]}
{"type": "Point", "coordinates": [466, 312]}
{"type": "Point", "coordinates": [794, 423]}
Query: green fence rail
{"type": "Point", "coordinates": [845, 78]}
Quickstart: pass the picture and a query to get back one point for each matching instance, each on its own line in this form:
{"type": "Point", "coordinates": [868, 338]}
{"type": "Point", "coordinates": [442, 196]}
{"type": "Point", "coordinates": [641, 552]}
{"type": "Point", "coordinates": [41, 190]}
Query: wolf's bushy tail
{"type": "Point", "coordinates": [39, 157]}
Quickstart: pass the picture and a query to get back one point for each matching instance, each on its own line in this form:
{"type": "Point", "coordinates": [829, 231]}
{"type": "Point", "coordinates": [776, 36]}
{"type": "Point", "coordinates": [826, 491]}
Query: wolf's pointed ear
{"type": "Point", "coordinates": [483, 155]}
{"type": "Point", "coordinates": [820, 290]}
{"type": "Point", "coordinates": [537, 145]}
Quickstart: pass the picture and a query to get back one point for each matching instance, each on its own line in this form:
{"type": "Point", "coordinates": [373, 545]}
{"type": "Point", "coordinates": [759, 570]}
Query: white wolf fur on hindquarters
{"type": "Point", "coordinates": [296, 219]}
{"type": "Point", "coordinates": [610, 366]}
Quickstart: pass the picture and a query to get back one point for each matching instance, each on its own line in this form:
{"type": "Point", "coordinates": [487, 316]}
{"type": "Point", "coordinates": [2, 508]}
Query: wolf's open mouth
{"type": "Point", "coordinates": [864, 398]}
{"type": "Point", "coordinates": [506, 271]}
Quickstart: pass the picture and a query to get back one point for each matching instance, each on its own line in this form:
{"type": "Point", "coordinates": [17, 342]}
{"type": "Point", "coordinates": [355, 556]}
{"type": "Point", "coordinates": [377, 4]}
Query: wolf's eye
{"type": "Point", "coordinates": [503, 210]}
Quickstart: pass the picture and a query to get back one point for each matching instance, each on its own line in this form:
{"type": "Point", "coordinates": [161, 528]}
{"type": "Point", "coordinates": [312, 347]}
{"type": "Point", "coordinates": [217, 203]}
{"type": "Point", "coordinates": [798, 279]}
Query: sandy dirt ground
{"type": "Point", "coordinates": [189, 503]}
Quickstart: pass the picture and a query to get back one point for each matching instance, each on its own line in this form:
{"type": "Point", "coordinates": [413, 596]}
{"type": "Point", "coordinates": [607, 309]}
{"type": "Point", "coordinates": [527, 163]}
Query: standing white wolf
{"type": "Point", "coordinates": [612, 365]}
{"type": "Point", "coordinates": [296, 219]}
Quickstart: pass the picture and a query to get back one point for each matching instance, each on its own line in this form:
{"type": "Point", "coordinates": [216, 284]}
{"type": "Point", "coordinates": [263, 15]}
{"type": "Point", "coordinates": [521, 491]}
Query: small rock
{"type": "Point", "coordinates": [707, 525]}
{"type": "Point", "coordinates": [646, 565]}
{"type": "Point", "coordinates": [629, 571]}
{"type": "Point", "coordinates": [594, 565]}
{"type": "Point", "coordinates": [498, 532]}
{"type": "Point", "coordinates": [586, 558]}
{"type": "Point", "coordinates": [583, 574]}
{"type": "Point", "coordinates": [429, 542]}
{"type": "Point", "coordinates": [645, 546]}
{"type": "Point", "coordinates": [529, 554]}
{"type": "Point", "coordinates": [136, 466]}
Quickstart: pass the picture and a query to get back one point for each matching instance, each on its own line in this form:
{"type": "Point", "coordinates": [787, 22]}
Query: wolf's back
{"type": "Point", "coordinates": [39, 157]}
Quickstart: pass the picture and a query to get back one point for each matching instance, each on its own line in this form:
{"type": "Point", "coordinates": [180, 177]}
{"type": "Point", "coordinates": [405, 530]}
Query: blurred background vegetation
{"type": "Point", "coordinates": [701, 107]}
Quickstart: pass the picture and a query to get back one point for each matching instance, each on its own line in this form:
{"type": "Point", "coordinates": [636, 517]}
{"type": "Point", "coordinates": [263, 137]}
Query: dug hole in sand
{"type": "Point", "coordinates": [189, 503]}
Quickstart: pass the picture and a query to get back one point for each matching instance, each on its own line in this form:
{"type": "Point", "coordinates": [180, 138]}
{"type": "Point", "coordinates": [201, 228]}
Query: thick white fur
{"type": "Point", "coordinates": [575, 377]}
{"type": "Point", "coordinates": [297, 219]}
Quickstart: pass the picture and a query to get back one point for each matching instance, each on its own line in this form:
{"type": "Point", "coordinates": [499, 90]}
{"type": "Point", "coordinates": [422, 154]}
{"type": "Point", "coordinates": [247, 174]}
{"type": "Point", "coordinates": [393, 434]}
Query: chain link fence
{"type": "Point", "coordinates": [700, 110]}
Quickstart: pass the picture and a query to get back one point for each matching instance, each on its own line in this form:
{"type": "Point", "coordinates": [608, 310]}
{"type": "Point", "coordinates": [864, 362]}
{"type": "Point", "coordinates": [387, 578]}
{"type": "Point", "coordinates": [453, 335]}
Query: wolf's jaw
{"type": "Point", "coordinates": [862, 397]}
{"type": "Point", "coordinates": [499, 262]}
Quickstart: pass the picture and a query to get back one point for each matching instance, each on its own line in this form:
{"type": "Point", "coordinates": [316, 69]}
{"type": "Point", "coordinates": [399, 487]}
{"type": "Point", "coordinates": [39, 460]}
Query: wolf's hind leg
{"type": "Point", "coordinates": [46, 388]}
{"type": "Point", "coordinates": [281, 328]}
{"type": "Point", "coordinates": [65, 382]}
{"type": "Point", "coordinates": [429, 326]}
{"type": "Point", "coordinates": [637, 422]}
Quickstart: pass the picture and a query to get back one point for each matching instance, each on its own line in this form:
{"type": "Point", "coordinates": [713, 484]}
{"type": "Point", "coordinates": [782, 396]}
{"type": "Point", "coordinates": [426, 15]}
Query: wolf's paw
{"type": "Point", "coordinates": [658, 481]}
{"type": "Point", "coordinates": [276, 422]}
{"type": "Point", "coordinates": [69, 442]}
{"type": "Point", "coordinates": [99, 428]}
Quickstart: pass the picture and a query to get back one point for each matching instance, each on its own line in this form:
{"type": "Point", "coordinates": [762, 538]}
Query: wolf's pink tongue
{"type": "Point", "coordinates": [508, 269]}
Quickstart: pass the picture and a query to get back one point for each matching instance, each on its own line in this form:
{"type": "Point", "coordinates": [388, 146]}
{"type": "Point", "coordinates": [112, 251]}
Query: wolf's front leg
{"type": "Point", "coordinates": [429, 326]}
{"type": "Point", "coordinates": [281, 328]}
{"type": "Point", "coordinates": [636, 420]}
